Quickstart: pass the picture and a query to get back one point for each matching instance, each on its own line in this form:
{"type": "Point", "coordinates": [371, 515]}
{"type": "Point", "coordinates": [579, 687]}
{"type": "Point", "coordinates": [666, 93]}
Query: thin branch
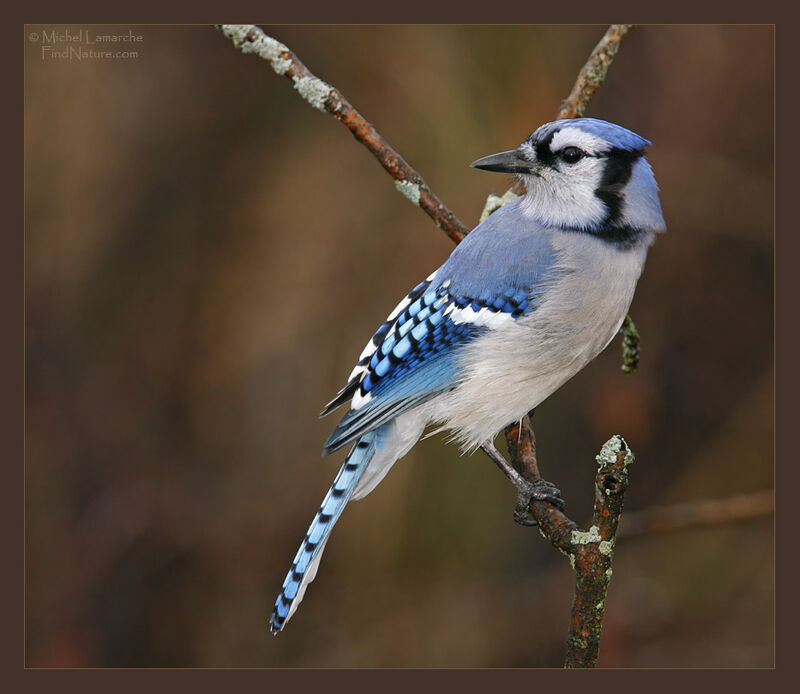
{"type": "Point", "coordinates": [248, 38]}
{"type": "Point", "coordinates": [698, 513]}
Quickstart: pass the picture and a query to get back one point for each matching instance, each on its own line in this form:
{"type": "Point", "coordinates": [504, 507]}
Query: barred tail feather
{"type": "Point", "coordinates": [366, 465]}
{"type": "Point", "coordinates": [306, 562]}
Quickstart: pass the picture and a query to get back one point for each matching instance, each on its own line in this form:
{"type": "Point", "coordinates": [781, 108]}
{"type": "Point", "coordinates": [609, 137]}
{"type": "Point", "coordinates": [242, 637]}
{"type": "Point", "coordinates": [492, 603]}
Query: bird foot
{"type": "Point", "coordinates": [540, 490]}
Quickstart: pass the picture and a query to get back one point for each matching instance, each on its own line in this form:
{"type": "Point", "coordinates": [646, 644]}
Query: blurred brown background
{"type": "Point", "coordinates": [205, 258]}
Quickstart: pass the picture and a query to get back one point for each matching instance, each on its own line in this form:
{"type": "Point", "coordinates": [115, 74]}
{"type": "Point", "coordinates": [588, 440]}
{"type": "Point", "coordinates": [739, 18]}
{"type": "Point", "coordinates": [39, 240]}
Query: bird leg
{"type": "Point", "coordinates": [540, 489]}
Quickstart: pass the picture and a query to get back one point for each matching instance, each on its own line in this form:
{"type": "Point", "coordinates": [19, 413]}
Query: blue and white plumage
{"type": "Point", "coordinates": [524, 302]}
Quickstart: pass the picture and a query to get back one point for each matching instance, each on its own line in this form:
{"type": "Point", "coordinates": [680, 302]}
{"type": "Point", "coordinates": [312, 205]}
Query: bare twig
{"type": "Point", "coordinates": [250, 39]}
{"type": "Point", "coordinates": [698, 513]}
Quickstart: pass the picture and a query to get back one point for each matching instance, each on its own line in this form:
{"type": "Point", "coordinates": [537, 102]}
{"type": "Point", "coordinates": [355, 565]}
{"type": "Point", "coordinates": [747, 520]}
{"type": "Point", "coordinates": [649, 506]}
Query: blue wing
{"type": "Point", "coordinates": [413, 355]}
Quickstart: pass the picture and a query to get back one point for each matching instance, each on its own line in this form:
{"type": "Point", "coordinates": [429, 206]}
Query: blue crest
{"type": "Point", "coordinates": [615, 135]}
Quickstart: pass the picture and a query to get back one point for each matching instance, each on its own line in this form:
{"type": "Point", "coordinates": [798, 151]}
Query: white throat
{"type": "Point", "coordinates": [553, 203]}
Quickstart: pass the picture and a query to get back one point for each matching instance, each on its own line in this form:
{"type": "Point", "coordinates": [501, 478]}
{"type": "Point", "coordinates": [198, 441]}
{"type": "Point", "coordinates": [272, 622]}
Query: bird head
{"type": "Point", "coordinates": [584, 174]}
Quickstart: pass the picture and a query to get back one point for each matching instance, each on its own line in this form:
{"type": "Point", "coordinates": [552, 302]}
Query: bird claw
{"type": "Point", "coordinates": [523, 516]}
{"type": "Point", "coordinates": [540, 490]}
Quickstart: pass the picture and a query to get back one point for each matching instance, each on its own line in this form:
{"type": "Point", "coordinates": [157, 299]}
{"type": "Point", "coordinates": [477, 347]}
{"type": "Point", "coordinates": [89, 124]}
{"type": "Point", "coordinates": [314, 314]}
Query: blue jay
{"type": "Point", "coordinates": [522, 304]}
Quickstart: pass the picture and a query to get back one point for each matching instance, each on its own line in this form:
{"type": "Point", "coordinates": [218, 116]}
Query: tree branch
{"type": "Point", "coordinates": [698, 513]}
{"type": "Point", "coordinates": [248, 38]}
{"type": "Point", "coordinates": [590, 552]}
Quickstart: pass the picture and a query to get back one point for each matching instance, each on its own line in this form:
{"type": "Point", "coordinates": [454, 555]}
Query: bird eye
{"type": "Point", "coordinates": [571, 154]}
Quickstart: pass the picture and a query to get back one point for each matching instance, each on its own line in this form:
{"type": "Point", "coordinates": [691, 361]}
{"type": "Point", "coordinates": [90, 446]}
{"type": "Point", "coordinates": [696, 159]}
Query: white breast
{"type": "Point", "coordinates": [509, 371]}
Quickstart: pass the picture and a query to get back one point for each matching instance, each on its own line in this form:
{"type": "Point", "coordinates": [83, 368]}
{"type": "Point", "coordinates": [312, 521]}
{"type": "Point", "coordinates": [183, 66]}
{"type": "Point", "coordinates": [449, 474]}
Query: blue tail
{"type": "Point", "coordinates": [306, 562]}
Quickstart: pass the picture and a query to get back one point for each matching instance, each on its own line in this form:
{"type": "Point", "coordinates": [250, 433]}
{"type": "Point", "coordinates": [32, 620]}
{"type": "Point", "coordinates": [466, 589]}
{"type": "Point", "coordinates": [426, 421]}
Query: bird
{"type": "Point", "coordinates": [528, 298]}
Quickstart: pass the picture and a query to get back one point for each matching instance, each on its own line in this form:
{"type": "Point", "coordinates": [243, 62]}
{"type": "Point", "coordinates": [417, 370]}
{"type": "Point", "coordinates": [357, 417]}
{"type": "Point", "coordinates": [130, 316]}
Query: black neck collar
{"type": "Point", "coordinates": [621, 237]}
